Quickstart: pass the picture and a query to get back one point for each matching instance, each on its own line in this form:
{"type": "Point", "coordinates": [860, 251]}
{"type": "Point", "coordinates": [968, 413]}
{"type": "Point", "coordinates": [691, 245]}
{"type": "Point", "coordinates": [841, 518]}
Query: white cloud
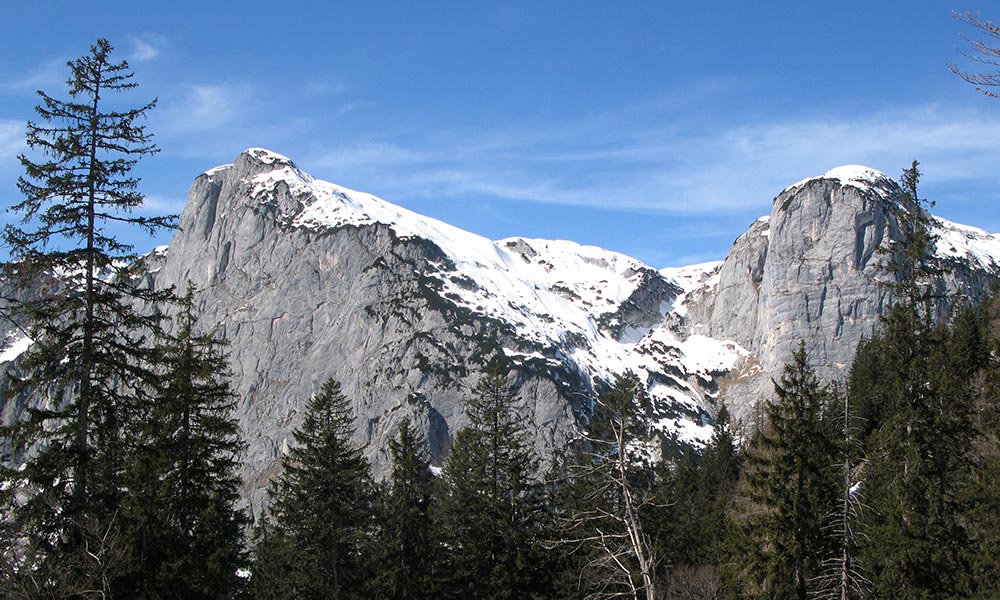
{"type": "Point", "coordinates": [365, 154]}
{"type": "Point", "coordinates": [11, 141]}
{"type": "Point", "coordinates": [673, 170]}
{"type": "Point", "coordinates": [145, 46]}
{"type": "Point", "coordinates": [46, 76]}
{"type": "Point", "coordinates": [161, 205]}
{"type": "Point", "coordinates": [206, 107]}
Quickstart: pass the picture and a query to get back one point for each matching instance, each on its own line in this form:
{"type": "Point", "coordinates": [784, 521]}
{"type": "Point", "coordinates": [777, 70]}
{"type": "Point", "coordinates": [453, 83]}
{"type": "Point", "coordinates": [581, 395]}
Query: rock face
{"type": "Point", "coordinates": [308, 280]}
{"type": "Point", "coordinates": [814, 271]}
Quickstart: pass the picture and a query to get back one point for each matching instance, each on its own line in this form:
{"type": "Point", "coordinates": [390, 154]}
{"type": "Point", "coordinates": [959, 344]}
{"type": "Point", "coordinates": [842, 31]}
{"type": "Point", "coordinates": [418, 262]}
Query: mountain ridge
{"type": "Point", "coordinates": [309, 280]}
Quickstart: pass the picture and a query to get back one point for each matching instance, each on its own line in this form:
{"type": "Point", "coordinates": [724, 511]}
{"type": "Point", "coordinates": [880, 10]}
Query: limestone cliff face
{"type": "Point", "coordinates": [307, 281]}
{"type": "Point", "coordinates": [814, 271]}
{"type": "Point", "coordinates": [299, 305]}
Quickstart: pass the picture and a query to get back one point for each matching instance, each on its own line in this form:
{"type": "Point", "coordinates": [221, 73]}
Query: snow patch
{"type": "Point", "coordinates": [268, 157]}
{"type": "Point", "coordinates": [15, 346]}
{"type": "Point", "coordinates": [216, 170]}
{"type": "Point", "coordinates": [966, 243]}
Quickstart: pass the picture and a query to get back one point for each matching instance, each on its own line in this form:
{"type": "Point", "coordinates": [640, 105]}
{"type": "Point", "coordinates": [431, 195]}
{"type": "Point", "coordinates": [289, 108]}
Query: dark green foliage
{"type": "Point", "coordinates": [182, 530]}
{"type": "Point", "coordinates": [402, 554]}
{"type": "Point", "coordinates": [917, 461]}
{"type": "Point", "coordinates": [915, 385]}
{"type": "Point", "coordinates": [309, 543]}
{"type": "Point", "coordinates": [911, 249]}
{"type": "Point", "coordinates": [793, 482]}
{"type": "Point", "coordinates": [841, 577]}
{"type": "Point", "coordinates": [690, 515]}
{"type": "Point", "coordinates": [491, 511]}
{"type": "Point", "coordinates": [90, 360]}
{"type": "Point", "coordinates": [981, 497]}
{"type": "Point", "coordinates": [983, 493]}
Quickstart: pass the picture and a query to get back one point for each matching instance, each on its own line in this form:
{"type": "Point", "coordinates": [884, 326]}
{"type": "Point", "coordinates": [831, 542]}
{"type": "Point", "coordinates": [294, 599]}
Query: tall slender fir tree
{"type": "Point", "coordinates": [91, 354]}
{"type": "Point", "coordinates": [916, 461]}
{"type": "Point", "coordinates": [793, 480]}
{"type": "Point", "coordinates": [402, 556]}
{"type": "Point", "coordinates": [310, 541]}
{"type": "Point", "coordinates": [490, 511]}
{"type": "Point", "coordinates": [183, 532]}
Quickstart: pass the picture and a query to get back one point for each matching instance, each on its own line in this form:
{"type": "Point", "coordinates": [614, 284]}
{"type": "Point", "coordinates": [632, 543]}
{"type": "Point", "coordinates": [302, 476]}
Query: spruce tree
{"type": "Point", "coordinates": [793, 480]}
{"type": "Point", "coordinates": [690, 518]}
{"type": "Point", "coordinates": [310, 540]}
{"type": "Point", "coordinates": [402, 556]}
{"type": "Point", "coordinates": [183, 531]}
{"type": "Point", "coordinates": [916, 461]}
{"type": "Point", "coordinates": [91, 356]}
{"type": "Point", "coordinates": [490, 511]}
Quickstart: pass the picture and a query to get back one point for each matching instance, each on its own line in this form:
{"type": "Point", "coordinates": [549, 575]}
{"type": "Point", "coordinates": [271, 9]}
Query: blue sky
{"type": "Point", "coordinates": [658, 129]}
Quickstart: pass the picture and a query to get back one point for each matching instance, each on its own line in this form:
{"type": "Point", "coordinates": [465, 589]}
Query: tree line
{"type": "Point", "coordinates": [121, 479]}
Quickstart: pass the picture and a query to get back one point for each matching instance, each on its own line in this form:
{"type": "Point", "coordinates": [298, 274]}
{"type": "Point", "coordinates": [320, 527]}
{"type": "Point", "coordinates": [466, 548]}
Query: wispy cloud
{"type": "Point", "coordinates": [205, 107]}
{"type": "Point", "coordinates": [674, 170]}
{"type": "Point", "coordinates": [11, 141]}
{"type": "Point", "coordinates": [161, 205]}
{"type": "Point", "coordinates": [47, 75]}
{"type": "Point", "coordinates": [145, 46]}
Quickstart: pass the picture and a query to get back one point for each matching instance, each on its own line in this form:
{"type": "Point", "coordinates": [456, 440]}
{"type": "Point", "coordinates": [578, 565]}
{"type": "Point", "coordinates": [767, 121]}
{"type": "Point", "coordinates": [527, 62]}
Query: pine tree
{"type": "Point", "coordinates": [309, 543]}
{"type": "Point", "coordinates": [793, 479]}
{"type": "Point", "coordinates": [402, 557]}
{"type": "Point", "coordinates": [490, 511]}
{"type": "Point", "coordinates": [690, 518]}
{"type": "Point", "coordinates": [91, 357]}
{"type": "Point", "coordinates": [916, 460]}
{"type": "Point", "coordinates": [184, 534]}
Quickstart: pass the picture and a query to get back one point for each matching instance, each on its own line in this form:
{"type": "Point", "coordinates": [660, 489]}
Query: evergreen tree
{"type": "Point", "coordinates": [983, 494]}
{"type": "Point", "coordinates": [690, 518]}
{"type": "Point", "coordinates": [402, 557]}
{"type": "Point", "coordinates": [90, 358]}
{"type": "Point", "coordinates": [793, 479]}
{"type": "Point", "coordinates": [309, 542]}
{"type": "Point", "coordinates": [916, 465]}
{"type": "Point", "coordinates": [183, 532]}
{"type": "Point", "coordinates": [917, 459]}
{"type": "Point", "coordinates": [490, 510]}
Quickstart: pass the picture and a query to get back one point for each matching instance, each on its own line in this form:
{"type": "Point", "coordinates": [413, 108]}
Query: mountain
{"type": "Point", "coordinates": [814, 270]}
{"type": "Point", "coordinates": [309, 280]}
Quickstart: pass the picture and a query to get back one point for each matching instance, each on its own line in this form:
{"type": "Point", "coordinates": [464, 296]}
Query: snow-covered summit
{"type": "Point", "coordinates": [861, 177]}
{"type": "Point", "coordinates": [515, 279]}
